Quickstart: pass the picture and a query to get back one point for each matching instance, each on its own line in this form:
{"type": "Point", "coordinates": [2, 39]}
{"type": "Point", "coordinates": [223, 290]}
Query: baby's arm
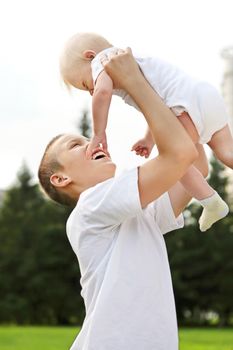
{"type": "Point", "coordinates": [100, 106]}
{"type": "Point", "coordinates": [143, 147]}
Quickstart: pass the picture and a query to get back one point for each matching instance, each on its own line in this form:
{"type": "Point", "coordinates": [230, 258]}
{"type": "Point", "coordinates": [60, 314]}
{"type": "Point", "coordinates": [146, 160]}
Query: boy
{"type": "Point", "coordinates": [125, 275]}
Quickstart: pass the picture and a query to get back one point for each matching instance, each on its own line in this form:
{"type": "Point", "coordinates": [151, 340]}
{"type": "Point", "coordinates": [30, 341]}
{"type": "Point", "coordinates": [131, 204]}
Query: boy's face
{"type": "Point", "coordinates": [82, 79]}
{"type": "Point", "coordinates": [70, 151]}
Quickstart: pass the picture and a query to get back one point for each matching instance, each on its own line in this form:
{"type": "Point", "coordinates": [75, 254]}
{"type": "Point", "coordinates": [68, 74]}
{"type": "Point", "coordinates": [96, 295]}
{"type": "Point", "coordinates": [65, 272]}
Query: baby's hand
{"type": "Point", "coordinates": [143, 147]}
{"type": "Point", "coordinates": [96, 142]}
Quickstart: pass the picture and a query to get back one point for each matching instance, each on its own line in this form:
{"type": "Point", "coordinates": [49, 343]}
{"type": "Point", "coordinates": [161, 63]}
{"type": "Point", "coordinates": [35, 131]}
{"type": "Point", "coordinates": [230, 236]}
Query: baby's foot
{"type": "Point", "coordinates": [214, 209]}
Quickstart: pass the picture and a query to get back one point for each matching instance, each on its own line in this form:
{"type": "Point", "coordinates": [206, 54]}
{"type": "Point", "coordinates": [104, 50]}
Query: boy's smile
{"type": "Point", "coordinates": [76, 168]}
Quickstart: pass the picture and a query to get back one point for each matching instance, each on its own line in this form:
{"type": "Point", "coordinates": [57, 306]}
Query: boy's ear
{"type": "Point", "coordinates": [59, 180]}
{"type": "Point", "coordinates": [90, 54]}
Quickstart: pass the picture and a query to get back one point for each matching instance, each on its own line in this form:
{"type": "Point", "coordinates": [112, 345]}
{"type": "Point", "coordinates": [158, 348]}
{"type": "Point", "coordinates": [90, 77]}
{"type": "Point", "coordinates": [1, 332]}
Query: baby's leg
{"type": "Point", "coordinates": [196, 185]}
{"type": "Point", "coordinates": [189, 126]}
{"type": "Point", "coordinates": [214, 206]}
{"type": "Point", "coordinates": [222, 145]}
{"type": "Point", "coordinates": [193, 180]}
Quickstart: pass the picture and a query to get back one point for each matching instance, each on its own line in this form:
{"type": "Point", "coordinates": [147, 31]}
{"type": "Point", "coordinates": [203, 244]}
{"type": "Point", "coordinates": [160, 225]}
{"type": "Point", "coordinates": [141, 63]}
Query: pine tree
{"type": "Point", "coordinates": [201, 262]}
{"type": "Point", "coordinates": [221, 249]}
{"type": "Point", "coordinates": [39, 272]}
{"type": "Point", "coordinates": [84, 126]}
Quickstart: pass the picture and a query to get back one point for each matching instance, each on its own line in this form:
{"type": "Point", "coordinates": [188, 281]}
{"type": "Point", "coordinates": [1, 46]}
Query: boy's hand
{"type": "Point", "coordinates": [143, 147]}
{"type": "Point", "coordinates": [122, 69]}
{"type": "Point", "coordinates": [95, 143]}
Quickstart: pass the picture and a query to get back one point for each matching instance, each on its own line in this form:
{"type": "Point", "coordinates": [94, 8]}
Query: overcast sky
{"type": "Point", "coordinates": [34, 106]}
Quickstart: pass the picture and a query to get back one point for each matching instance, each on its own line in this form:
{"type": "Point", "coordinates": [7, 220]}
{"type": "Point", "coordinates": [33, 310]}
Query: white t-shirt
{"type": "Point", "coordinates": [179, 91]}
{"type": "Point", "coordinates": [125, 275]}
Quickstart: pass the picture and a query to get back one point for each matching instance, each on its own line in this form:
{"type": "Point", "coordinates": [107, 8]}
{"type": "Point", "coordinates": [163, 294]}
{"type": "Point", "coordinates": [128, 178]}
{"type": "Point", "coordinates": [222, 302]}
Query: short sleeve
{"type": "Point", "coordinates": [113, 201]}
{"type": "Point", "coordinates": [164, 215]}
{"type": "Point", "coordinates": [96, 65]}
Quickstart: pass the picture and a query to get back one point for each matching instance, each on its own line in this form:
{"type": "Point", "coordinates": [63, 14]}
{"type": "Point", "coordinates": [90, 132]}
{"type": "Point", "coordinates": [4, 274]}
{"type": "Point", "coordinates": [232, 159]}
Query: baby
{"type": "Point", "coordinates": [197, 105]}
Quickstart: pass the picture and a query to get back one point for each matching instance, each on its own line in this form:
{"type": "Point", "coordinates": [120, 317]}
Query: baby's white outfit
{"type": "Point", "coordinates": [179, 91]}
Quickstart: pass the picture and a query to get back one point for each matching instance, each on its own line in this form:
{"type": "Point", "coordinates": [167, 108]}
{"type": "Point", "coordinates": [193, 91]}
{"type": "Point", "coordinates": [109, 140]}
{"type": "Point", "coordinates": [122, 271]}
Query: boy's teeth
{"type": "Point", "coordinates": [97, 154]}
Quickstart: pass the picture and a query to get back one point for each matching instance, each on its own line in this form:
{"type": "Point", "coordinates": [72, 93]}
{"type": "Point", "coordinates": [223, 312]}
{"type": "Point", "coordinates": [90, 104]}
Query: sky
{"type": "Point", "coordinates": [35, 106]}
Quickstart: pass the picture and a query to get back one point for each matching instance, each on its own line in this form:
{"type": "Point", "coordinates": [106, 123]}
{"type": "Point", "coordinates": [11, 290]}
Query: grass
{"type": "Point", "coordinates": [36, 338]}
{"type": "Point", "coordinates": [60, 338]}
{"type": "Point", "coordinates": [206, 339]}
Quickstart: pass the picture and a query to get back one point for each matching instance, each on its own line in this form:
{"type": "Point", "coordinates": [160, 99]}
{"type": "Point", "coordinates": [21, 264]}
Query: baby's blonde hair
{"type": "Point", "coordinates": [72, 54]}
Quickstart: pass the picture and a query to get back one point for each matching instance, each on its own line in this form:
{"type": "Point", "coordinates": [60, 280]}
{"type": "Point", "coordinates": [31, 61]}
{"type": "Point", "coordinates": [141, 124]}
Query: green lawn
{"type": "Point", "coordinates": [60, 338]}
{"type": "Point", "coordinates": [206, 339]}
{"type": "Point", "coordinates": [36, 338]}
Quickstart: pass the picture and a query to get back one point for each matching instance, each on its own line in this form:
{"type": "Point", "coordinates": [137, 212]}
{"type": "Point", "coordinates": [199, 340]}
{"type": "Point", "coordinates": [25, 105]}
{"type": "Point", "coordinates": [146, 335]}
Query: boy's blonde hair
{"type": "Point", "coordinates": [72, 54]}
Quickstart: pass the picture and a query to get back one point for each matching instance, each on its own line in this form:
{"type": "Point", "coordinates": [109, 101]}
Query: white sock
{"type": "Point", "coordinates": [214, 209]}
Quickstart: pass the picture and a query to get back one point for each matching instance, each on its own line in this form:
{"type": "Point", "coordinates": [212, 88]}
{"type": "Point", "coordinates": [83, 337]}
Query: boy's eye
{"type": "Point", "coordinates": [73, 145]}
{"type": "Point", "coordinates": [77, 142]}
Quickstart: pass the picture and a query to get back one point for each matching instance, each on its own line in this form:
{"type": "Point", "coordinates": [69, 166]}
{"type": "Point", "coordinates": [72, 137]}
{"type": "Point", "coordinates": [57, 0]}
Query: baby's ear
{"type": "Point", "coordinates": [89, 54]}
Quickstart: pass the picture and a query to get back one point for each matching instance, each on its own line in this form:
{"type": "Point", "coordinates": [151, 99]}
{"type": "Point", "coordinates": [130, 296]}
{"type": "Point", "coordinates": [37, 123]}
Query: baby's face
{"type": "Point", "coordinates": [82, 78]}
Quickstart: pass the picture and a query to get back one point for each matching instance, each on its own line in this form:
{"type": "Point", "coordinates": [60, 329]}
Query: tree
{"type": "Point", "coordinates": [201, 263]}
{"type": "Point", "coordinates": [222, 244]}
{"type": "Point", "coordinates": [39, 272]}
{"type": "Point", "coordinates": [84, 125]}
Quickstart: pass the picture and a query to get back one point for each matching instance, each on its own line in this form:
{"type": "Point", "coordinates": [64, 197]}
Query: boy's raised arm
{"type": "Point", "coordinates": [176, 150]}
